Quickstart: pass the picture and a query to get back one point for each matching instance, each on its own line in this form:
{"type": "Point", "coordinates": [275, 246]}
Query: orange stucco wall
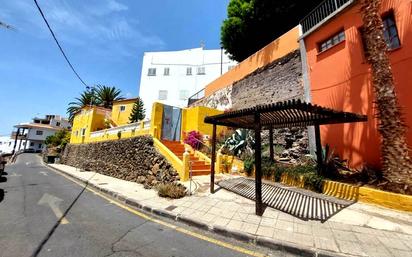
{"type": "Point", "coordinates": [340, 78]}
{"type": "Point", "coordinates": [280, 47]}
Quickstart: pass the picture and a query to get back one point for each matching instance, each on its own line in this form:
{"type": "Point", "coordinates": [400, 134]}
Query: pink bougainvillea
{"type": "Point", "coordinates": [194, 139]}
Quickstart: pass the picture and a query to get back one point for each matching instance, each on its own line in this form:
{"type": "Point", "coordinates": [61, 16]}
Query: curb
{"type": "Point", "coordinates": [241, 236]}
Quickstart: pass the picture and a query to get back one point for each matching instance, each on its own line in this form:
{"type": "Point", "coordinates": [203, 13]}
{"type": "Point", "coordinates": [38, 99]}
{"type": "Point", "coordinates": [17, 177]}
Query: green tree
{"type": "Point", "coordinates": [60, 138]}
{"type": "Point", "coordinates": [138, 111]}
{"type": "Point", "coordinates": [86, 98]}
{"type": "Point", "coordinates": [252, 24]}
{"type": "Point", "coordinates": [106, 95]}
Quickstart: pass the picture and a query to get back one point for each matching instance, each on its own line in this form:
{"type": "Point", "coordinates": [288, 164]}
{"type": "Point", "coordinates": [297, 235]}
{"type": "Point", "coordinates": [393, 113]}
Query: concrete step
{"type": "Point", "coordinates": [200, 172]}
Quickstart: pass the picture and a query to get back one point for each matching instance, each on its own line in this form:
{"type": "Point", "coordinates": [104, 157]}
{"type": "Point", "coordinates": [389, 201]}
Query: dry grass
{"type": "Point", "coordinates": [172, 190]}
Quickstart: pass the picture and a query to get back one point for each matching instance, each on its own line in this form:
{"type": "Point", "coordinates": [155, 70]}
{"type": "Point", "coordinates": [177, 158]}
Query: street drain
{"type": "Point", "coordinates": [171, 207]}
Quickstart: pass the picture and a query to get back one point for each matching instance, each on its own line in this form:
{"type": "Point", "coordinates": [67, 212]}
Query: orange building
{"type": "Point", "coordinates": [340, 78]}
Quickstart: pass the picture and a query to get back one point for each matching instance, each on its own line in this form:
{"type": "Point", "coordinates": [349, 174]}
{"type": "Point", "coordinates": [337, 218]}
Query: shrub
{"type": "Point", "coordinates": [313, 182]}
{"type": "Point", "coordinates": [172, 190]}
{"type": "Point", "coordinates": [268, 167]}
{"type": "Point", "coordinates": [194, 139]}
{"type": "Point", "coordinates": [248, 164]}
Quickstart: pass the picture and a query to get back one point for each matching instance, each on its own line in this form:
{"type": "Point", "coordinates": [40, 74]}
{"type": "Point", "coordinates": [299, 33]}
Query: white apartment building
{"type": "Point", "coordinates": [6, 144]}
{"type": "Point", "coordinates": [174, 76]}
{"type": "Point", "coordinates": [31, 136]}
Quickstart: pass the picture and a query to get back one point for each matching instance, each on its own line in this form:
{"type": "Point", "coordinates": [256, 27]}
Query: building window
{"type": "Point", "coordinates": [189, 71]}
{"type": "Point", "coordinates": [162, 94]}
{"type": "Point", "coordinates": [76, 133]}
{"type": "Point", "coordinates": [58, 124]}
{"type": "Point", "coordinates": [390, 31]}
{"type": "Point", "coordinates": [183, 94]}
{"type": "Point", "coordinates": [122, 108]}
{"type": "Point", "coordinates": [31, 144]}
{"type": "Point", "coordinates": [39, 132]}
{"type": "Point", "coordinates": [332, 41]}
{"type": "Point", "coordinates": [151, 72]}
{"type": "Point", "coordinates": [40, 145]}
{"type": "Point", "coordinates": [201, 70]}
{"type": "Point", "coordinates": [230, 67]}
{"type": "Point", "coordinates": [83, 132]}
{"type": "Point", "coordinates": [166, 72]}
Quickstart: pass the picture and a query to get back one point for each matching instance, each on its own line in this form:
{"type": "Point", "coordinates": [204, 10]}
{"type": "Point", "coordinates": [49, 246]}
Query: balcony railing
{"type": "Point", "coordinates": [322, 12]}
{"type": "Point", "coordinates": [199, 95]}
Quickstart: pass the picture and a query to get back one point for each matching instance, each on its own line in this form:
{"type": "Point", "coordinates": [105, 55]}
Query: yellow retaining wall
{"type": "Point", "coordinates": [362, 194]}
{"type": "Point", "coordinates": [156, 121]}
{"type": "Point", "coordinates": [182, 167]}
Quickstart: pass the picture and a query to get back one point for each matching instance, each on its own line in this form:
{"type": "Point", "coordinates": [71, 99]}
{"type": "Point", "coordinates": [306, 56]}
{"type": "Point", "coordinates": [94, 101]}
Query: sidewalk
{"type": "Point", "coordinates": [358, 230]}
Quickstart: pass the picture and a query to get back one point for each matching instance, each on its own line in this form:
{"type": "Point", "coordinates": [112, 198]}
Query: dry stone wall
{"type": "Point", "coordinates": [280, 80]}
{"type": "Point", "coordinates": [133, 159]}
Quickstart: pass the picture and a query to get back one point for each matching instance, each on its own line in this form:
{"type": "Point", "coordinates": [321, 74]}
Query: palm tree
{"type": "Point", "coordinates": [7, 26]}
{"type": "Point", "coordinates": [396, 162]}
{"type": "Point", "coordinates": [106, 95]}
{"type": "Point", "coordinates": [86, 98]}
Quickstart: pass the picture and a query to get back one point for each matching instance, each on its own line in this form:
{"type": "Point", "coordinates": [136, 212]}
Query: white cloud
{"type": "Point", "coordinates": [107, 26]}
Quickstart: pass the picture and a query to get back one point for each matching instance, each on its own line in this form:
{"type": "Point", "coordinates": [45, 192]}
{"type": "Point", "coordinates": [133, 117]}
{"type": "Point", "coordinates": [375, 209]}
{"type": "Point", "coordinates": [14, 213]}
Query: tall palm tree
{"type": "Point", "coordinates": [396, 161]}
{"type": "Point", "coordinates": [86, 98]}
{"type": "Point", "coordinates": [106, 95]}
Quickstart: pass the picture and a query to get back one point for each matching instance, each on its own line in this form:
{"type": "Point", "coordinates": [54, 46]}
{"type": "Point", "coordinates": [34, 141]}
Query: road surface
{"type": "Point", "coordinates": [34, 197]}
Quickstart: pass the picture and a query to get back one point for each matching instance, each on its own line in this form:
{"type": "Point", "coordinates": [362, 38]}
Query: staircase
{"type": "Point", "coordinates": [199, 167]}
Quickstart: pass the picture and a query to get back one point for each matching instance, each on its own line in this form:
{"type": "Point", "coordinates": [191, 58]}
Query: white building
{"type": "Point", "coordinates": [172, 77]}
{"type": "Point", "coordinates": [31, 136]}
{"type": "Point", "coordinates": [6, 144]}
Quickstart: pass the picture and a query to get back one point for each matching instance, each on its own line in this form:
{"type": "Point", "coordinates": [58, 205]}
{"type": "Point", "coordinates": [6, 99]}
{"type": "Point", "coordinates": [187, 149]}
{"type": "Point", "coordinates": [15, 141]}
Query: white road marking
{"type": "Point", "coordinates": [54, 203]}
{"type": "Point", "coordinates": [14, 174]}
{"type": "Point", "coordinates": [44, 173]}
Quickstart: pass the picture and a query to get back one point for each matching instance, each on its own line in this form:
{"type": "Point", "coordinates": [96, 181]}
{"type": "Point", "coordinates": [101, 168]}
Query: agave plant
{"type": "Point", "coordinates": [241, 141]}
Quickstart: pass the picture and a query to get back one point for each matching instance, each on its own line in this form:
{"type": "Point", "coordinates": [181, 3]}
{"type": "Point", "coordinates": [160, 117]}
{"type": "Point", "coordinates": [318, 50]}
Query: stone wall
{"type": "Point", "coordinates": [281, 80]}
{"type": "Point", "coordinates": [133, 159]}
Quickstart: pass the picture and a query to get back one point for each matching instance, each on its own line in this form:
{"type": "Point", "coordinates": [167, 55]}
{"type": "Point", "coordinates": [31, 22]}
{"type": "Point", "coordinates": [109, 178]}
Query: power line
{"type": "Point", "coordinates": [57, 42]}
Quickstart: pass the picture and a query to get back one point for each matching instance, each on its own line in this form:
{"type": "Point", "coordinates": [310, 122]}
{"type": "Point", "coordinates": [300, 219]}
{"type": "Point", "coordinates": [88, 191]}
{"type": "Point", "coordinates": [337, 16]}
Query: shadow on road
{"type": "Point", "coordinates": [1, 195]}
{"type": "Point", "coordinates": [56, 225]}
{"type": "Point", "coordinates": [3, 179]}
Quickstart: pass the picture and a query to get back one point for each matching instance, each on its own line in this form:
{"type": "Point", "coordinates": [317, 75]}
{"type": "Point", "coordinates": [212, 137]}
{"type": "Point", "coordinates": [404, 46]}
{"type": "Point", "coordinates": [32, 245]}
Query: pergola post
{"type": "Point", "coordinates": [318, 150]}
{"type": "Point", "coordinates": [15, 140]}
{"type": "Point", "coordinates": [258, 167]}
{"type": "Point", "coordinates": [271, 151]}
{"type": "Point", "coordinates": [212, 164]}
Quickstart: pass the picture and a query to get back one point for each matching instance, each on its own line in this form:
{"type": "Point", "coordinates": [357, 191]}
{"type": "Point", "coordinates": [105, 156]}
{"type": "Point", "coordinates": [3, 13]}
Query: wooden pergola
{"type": "Point", "coordinates": [272, 116]}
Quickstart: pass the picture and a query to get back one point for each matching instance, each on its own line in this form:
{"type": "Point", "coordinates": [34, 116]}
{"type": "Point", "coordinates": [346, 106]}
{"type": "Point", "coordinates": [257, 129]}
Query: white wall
{"type": "Point", "coordinates": [6, 144]}
{"type": "Point", "coordinates": [178, 82]}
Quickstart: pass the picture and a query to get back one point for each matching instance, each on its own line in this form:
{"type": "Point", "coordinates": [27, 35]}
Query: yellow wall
{"type": "Point", "coordinates": [156, 120]}
{"type": "Point", "coordinates": [122, 117]}
{"type": "Point", "coordinates": [193, 119]}
{"type": "Point", "coordinates": [89, 118]}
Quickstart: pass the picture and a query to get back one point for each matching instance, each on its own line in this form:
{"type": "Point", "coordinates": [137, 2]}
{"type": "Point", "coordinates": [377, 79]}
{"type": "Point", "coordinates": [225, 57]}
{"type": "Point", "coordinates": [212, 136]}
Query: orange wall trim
{"type": "Point", "coordinates": [280, 47]}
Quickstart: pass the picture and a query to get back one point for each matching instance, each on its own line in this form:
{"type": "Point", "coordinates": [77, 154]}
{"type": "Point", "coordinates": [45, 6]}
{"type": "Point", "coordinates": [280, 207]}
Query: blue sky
{"type": "Point", "coordinates": [104, 39]}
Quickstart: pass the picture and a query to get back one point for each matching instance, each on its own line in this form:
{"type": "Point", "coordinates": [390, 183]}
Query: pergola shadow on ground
{"type": "Point", "coordinates": [278, 115]}
{"type": "Point", "coordinates": [300, 203]}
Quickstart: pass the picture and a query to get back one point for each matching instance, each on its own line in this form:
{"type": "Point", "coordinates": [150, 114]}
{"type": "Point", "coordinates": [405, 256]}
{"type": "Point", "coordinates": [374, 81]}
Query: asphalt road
{"type": "Point", "coordinates": [34, 197]}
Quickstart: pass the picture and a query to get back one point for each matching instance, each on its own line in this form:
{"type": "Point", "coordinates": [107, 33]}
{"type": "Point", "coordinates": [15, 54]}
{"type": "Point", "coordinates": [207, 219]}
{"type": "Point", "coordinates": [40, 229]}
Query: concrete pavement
{"type": "Point", "coordinates": [31, 223]}
{"type": "Point", "coordinates": [358, 230]}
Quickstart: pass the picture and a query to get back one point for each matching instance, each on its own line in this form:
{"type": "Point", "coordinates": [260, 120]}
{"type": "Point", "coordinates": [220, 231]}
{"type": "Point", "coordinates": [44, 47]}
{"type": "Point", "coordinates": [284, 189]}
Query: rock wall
{"type": "Point", "coordinates": [133, 159]}
{"type": "Point", "coordinates": [280, 80]}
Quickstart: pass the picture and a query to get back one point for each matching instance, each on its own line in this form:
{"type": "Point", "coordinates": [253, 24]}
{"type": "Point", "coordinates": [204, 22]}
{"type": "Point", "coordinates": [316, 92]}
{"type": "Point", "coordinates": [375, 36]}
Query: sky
{"type": "Point", "coordinates": [104, 40]}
